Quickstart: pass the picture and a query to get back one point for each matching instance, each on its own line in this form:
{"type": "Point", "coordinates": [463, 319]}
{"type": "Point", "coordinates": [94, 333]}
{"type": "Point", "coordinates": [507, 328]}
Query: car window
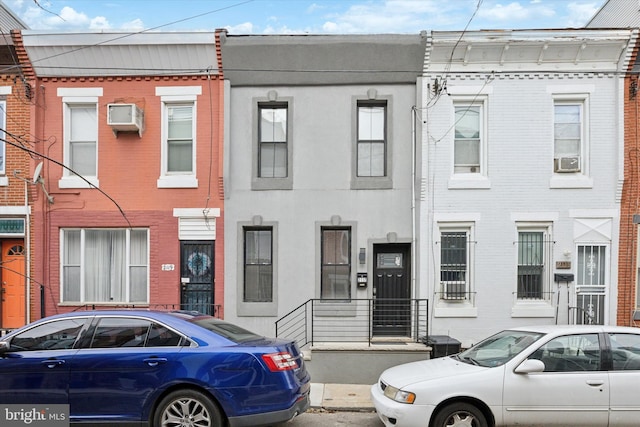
{"type": "Point", "coordinates": [570, 353]}
{"type": "Point", "coordinates": [625, 350]}
{"type": "Point", "coordinates": [161, 336]}
{"type": "Point", "coordinates": [113, 332]}
{"type": "Point", "coordinates": [55, 335]}
{"type": "Point", "coordinates": [228, 330]}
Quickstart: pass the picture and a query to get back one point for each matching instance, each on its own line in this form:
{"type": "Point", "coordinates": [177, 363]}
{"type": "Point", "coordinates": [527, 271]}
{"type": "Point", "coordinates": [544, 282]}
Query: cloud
{"type": "Point", "coordinates": [514, 12]}
{"type": "Point", "coordinates": [244, 28]}
{"type": "Point", "coordinates": [580, 13]}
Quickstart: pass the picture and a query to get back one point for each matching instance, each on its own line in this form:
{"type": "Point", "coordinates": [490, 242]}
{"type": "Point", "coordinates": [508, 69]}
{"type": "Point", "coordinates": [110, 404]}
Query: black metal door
{"type": "Point", "coordinates": [392, 290]}
{"type": "Point", "coordinates": [196, 274]}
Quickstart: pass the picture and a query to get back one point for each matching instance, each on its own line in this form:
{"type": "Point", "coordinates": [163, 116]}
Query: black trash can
{"type": "Point", "coordinates": [442, 345]}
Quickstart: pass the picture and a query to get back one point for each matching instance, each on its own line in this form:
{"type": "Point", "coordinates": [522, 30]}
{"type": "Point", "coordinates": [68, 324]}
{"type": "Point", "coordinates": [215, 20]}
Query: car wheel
{"type": "Point", "coordinates": [187, 408]}
{"type": "Point", "coordinates": [460, 415]}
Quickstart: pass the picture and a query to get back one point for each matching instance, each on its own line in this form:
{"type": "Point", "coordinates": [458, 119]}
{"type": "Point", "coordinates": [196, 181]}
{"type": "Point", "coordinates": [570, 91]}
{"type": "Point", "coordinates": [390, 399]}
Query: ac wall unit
{"type": "Point", "coordinates": [567, 164]}
{"type": "Point", "coordinates": [125, 118]}
{"type": "Point", "coordinates": [454, 290]}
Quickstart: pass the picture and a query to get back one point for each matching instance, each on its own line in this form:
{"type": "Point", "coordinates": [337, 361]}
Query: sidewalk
{"type": "Point", "coordinates": [341, 397]}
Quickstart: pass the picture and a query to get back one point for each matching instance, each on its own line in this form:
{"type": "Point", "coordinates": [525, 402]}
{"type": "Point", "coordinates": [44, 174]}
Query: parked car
{"type": "Point", "coordinates": [138, 367]}
{"type": "Point", "coordinates": [548, 375]}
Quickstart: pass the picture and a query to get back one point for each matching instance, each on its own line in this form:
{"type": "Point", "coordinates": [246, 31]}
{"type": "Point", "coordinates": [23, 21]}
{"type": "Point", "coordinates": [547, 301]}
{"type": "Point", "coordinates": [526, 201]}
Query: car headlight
{"type": "Point", "coordinates": [399, 395]}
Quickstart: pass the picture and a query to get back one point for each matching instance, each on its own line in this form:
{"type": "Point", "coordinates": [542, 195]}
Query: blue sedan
{"type": "Point", "coordinates": [147, 368]}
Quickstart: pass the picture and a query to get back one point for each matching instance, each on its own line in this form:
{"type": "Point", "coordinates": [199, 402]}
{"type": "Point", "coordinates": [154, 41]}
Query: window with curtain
{"type": "Point", "coordinates": [273, 140]}
{"type": "Point", "coordinates": [81, 139]}
{"type": "Point", "coordinates": [105, 265]}
{"type": "Point", "coordinates": [567, 133]}
{"type": "Point", "coordinates": [372, 140]}
{"type": "Point", "coordinates": [258, 264]}
{"type": "Point", "coordinates": [180, 130]}
{"type": "Point", "coordinates": [468, 139]}
{"type": "Point", "coordinates": [531, 265]}
{"type": "Point", "coordinates": [336, 263]}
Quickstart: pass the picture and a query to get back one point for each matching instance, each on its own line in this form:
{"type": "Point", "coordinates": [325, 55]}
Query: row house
{"type": "Point", "coordinates": [15, 180]}
{"type": "Point", "coordinates": [318, 182]}
{"type": "Point", "coordinates": [626, 14]}
{"type": "Point", "coordinates": [126, 152]}
{"type": "Point", "coordinates": [522, 169]}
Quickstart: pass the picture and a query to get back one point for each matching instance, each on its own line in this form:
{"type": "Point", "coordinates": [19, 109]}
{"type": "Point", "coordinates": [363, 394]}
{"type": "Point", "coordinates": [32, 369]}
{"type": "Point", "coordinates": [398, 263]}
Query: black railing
{"type": "Point", "coordinates": [355, 320]}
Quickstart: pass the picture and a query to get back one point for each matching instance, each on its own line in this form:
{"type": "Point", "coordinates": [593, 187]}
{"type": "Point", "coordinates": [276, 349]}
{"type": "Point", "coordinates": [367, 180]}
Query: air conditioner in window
{"type": "Point", "coordinates": [567, 164]}
{"type": "Point", "coordinates": [125, 118]}
{"type": "Point", "coordinates": [454, 290]}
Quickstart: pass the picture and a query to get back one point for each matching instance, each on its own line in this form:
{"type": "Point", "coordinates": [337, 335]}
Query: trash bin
{"type": "Point", "coordinates": [441, 345]}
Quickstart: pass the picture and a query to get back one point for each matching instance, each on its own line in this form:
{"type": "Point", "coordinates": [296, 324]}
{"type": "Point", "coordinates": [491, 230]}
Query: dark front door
{"type": "Point", "coordinates": [196, 275]}
{"type": "Point", "coordinates": [392, 290]}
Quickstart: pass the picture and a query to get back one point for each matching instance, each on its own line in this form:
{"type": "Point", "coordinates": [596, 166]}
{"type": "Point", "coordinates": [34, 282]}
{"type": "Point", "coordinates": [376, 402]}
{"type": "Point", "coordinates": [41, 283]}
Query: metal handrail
{"type": "Point", "coordinates": [354, 320]}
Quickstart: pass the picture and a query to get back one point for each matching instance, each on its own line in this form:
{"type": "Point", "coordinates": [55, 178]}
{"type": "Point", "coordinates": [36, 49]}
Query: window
{"type": "Point", "coordinates": [105, 265]}
{"type": "Point", "coordinates": [467, 151]}
{"type": "Point", "coordinates": [180, 131]}
{"type": "Point", "coordinates": [114, 332]}
{"type": "Point", "coordinates": [81, 139]}
{"type": "Point", "coordinates": [568, 136]}
{"type": "Point", "coordinates": [454, 264]}
{"type": "Point", "coordinates": [3, 148]}
{"type": "Point", "coordinates": [625, 349]}
{"type": "Point", "coordinates": [533, 260]}
{"type": "Point", "coordinates": [55, 335]}
{"type": "Point", "coordinates": [179, 142]}
{"type": "Point", "coordinates": [273, 141]}
{"type": "Point", "coordinates": [372, 146]}
{"type": "Point", "coordinates": [336, 263]}
{"type": "Point", "coordinates": [570, 353]}
{"type": "Point", "coordinates": [258, 264]}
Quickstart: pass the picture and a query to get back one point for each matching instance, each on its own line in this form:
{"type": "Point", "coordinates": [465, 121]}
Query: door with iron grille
{"type": "Point", "coordinates": [197, 274]}
{"type": "Point", "coordinates": [392, 290]}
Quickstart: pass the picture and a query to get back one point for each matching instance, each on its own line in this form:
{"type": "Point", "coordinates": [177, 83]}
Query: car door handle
{"type": "Point", "coordinates": [52, 363]}
{"type": "Point", "coordinates": [155, 361]}
{"type": "Point", "coordinates": [595, 383]}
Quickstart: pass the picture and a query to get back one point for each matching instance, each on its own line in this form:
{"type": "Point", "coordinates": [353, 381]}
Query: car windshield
{"type": "Point", "coordinates": [228, 330]}
{"type": "Point", "coordinates": [499, 348]}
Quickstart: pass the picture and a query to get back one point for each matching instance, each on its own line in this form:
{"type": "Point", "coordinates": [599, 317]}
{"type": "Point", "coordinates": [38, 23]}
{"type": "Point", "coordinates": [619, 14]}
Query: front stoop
{"type": "Point", "coordinates": [359, 363]}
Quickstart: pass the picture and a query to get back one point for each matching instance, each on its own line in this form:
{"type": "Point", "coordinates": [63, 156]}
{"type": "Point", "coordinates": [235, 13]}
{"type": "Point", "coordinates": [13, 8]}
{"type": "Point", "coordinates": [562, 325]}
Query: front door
{"type": "Point", "coordinates": [196, 275]}
{"type": "Point", "coordinates": [12, 284]}
{"type": "Point", "coordinates": [392, 290]}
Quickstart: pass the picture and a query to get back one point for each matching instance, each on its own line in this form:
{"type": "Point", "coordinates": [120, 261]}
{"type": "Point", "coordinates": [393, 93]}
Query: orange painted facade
{"type": "Point", "coordinates": [128, 169]}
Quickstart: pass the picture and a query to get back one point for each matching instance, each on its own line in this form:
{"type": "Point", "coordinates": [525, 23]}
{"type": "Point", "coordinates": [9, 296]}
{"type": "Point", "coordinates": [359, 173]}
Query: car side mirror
{"type": "Point", "coordinates": [530, 366]}
{"type": "Point", "coordinates": [4, 347]}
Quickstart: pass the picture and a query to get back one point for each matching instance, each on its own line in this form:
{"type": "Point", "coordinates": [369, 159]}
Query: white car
{"type": "Point", "coordinates": [537, 376]}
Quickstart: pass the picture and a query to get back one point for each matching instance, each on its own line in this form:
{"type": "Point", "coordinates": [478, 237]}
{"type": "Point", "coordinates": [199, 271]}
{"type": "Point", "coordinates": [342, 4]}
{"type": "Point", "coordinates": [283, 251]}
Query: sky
{"type": "Point", "coordinates": [302, 16]}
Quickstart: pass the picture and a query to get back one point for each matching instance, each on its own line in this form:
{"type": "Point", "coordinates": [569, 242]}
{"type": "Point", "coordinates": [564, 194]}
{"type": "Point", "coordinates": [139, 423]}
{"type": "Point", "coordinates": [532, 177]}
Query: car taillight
{"type": "Point", "coordinates": [282, 361]}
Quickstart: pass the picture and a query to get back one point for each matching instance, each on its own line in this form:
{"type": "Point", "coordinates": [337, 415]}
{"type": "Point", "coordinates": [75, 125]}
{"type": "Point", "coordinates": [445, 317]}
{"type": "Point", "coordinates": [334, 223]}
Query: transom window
{"type": "Point", "coordinates": [258, 264]}
{"type": "Point", "coordinates": [336, 263]}
{"type": "Point", "coordinates": [105, 265]}
{"type": "Point", "coordinates": [372, 146]}
{"type": "Point", "coordinates": [273, 140]}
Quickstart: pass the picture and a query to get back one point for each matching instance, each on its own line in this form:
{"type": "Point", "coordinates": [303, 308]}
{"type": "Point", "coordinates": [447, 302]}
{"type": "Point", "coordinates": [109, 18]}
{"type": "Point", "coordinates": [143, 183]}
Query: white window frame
{"type": "Point", "coordinates": [468, 229]}
{"type": "Point", "coordinates": [172, 96]}
{"type": "Point", "coordinates": [82, 265]}
{"type": "Point", "coordinates": [476, 96]}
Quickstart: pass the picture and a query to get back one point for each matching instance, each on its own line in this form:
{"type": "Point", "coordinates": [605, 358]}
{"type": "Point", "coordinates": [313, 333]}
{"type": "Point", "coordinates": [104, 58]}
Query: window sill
{"type": "Point", "coordinates": [455, 309]}
{"type": "Point", "coordinates": [77, 182]}
{"type": "Point", "coordinates": [4, 181]}
{"type": "Point", "coordinates": [178, 181]}
{"type": "Point", "coordinates": [373, 183]}
{"type": "Point", "coordinates": [533, 309]}
{"type": "Point", "coordinates": [570, 181]}
{"type": "Point", "coordinates": [259, 184]}
{"type": "Point", "coordinates": [469, 182]}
